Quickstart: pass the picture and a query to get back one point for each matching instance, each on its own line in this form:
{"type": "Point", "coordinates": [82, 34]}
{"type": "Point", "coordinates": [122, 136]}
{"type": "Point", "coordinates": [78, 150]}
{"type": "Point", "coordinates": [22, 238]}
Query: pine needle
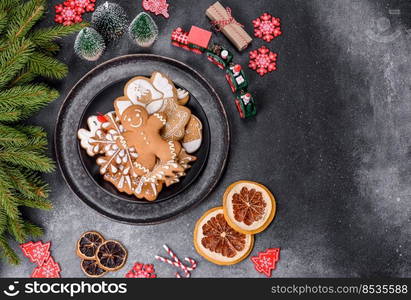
{"type": "Point", "coordinates": [13, 59]}
{"type": "Point", "coordinates": [42, 37]}
{"type": "Point", "coordinates": [24, 18]}
{"type": "Point", "coordinates": [27, 159]}
{"type": "Point", "coordinates": [8, 252]}
{"type": "Point", "coordinates": [47, 66]}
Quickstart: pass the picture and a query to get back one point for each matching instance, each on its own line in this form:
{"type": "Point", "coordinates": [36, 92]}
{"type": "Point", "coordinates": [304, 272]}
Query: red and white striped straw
{"type": "Point", "coordinates": [177, 263]}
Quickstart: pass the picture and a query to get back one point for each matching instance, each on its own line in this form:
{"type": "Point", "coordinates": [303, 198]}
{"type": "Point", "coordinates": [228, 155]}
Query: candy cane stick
{"type": "Point", "coordinates": [177, 263]}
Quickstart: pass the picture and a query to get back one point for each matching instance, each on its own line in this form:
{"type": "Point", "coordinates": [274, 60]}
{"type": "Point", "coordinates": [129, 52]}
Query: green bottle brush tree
{"type": "Point", "coordinates": [25, 54]}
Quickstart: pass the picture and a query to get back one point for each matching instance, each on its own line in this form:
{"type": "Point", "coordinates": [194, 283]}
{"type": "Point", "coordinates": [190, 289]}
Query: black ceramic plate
{"type": "Point", "coordinates": [95, 93]}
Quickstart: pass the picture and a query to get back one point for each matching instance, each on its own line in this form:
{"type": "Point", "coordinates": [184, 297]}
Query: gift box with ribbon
{"type": "Point", "coordinates": [223, 21]}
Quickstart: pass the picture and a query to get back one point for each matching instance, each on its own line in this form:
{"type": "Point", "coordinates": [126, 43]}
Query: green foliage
{"type": "Point", "coordinates": [89, 44]}
{"type": "Point", "coordinates": [110, 20]}
{"type": "Point", "coordinates": [143, 30]}
{"type": "Point", "coordinates": [25, 55]}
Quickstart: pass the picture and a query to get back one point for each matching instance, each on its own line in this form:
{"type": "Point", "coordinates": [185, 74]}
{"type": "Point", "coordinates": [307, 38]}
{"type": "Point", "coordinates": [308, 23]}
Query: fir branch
{"type": "Point", "coordinates": [32, 230]}
{"type": "Point", "coordinates": [3, 20]}
{"type": "Point", "coordinates": [13, 59]}
{"type": "Point", "coordinates": [42, 37]}
{"type": "Point", "coordinates": [7, 5]}
{"type": "Point", "coordinates": [47, 66]}
{"type": "Point", "coordinates": [27, 159]}
{"type": "Point", "coordinates": [16, 229]}
{"type": "Point", "coordinates": [8, 252]}
{"type": "Point", "coordinates": [10, 115]}
{"type": "Point", "coordinates": [25, 76]}
{"type": "Point", "coordinates": [11, 137]}
{"type": "Point", "coordinates": [28, 98]}
{"type": "Point", "coordinates": [24, 18]}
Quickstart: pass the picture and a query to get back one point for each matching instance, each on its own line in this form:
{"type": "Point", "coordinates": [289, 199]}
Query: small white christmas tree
{"type": "Point", "coordinates": [89, 44]}
{"type": "Point", "coordinates": [143, 30]}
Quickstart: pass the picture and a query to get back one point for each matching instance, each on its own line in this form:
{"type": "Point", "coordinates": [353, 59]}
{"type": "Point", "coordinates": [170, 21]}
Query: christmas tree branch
{"type": "Point", "coordinates": [47, 66]}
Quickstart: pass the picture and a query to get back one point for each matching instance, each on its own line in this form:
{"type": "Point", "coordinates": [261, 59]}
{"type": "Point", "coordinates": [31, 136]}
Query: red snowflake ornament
{"type": "Point", "coordinates": [67, 15]}
{"type": "Point", "coordinates": [36, 252]}
{"type": "Point", "coordinates": [50, 269]}
{"type": "Point", "coordinates": [263, 60]}
{"type": "Point", "coordinates": [267, 27]}
{"type": "Point", "coordinates": [141, 271]}
{"type": "Point", "coordinates": [265, 261]}
{"type": "Point", "coordinates": [159, 7]}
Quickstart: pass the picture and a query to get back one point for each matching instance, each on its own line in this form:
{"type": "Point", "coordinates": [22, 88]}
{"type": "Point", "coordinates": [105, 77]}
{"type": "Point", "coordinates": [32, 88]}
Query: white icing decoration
{"type": "Point", "coordinates": [192, 146]}
{"type": "Point", "coordinates": [163, 85]}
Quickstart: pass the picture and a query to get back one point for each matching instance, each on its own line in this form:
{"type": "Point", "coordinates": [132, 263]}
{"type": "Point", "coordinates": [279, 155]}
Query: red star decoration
{"type": "Point", "coordinates": [141, 271]}
{"type": "Point", "coordinates": [263, 60]}
{"type": "Point", "coordinates": [37, 252]}
{"type": "Point", "coordinates": [265, 261]}
{"type": "Point", "coordinates": [159, 7]}
{"type": "Point", "coordinates": [267, 27]}
{"type": "Point", "coordinates": [50, 269]}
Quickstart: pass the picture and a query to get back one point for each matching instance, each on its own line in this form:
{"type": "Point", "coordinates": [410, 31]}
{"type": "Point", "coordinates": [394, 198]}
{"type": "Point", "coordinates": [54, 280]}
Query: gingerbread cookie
{"type": "Point", "coordinates": [193, 135]}
{"type": "Point", "coordinates": [141, 91]}
{"type": "Point", "coordinates": [177, 115]}
{"type": "Point", "coordinates": [182, 96]}
{"type": "Point", "coordinates": [85, 136]}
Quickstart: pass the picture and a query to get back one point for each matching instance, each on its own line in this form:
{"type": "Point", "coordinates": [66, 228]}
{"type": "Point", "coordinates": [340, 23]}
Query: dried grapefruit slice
{"type": "Point", "coordinates": [88, 243]}
{"type": "Point", "coordinates": [91, 268]}
{"type": "Point", "coordinates": [111, 255]}
{"type": "Point", "coordinates": [217, 242]}
{"type": "Point", "coordinates": [249, 207]}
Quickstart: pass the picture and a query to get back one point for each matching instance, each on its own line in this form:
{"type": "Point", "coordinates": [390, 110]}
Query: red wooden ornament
{"type": "Point", "coordinates": [140, 270]}
{"type": "Point", "coordinates": [263, 60]}
{"type": "Point", "coordinates": [37, 252]}
{"type": "Point", "coordinates": [159, 7]}
{"type": "Point", "coordinates": [50, 269]}
{"type": "Point", "coordinates": [267, 27]}
{"type": "Point", "coordinates": [265, 261]}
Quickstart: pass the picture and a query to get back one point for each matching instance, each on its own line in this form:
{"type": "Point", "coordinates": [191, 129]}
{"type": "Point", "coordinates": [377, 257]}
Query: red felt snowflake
{"type": "Point", "coordinates": [50, 269]}
{"type": "Point", "coordinates": [159, 7]}
{"type": "Point", "coordinates": [67, 15]}
{"type": "Point", "coordinates": [71, 11]}
{"type": "Point", "coordinates": [37, 252]}
{"type": "Point", "coordinates": [265, 261]}
{"type": "Point", "coordinates": [141, 271]}
{"type": "Point", "coordinates": [263, 60]}
{"type": "Point", "coordinates": [267, 27]}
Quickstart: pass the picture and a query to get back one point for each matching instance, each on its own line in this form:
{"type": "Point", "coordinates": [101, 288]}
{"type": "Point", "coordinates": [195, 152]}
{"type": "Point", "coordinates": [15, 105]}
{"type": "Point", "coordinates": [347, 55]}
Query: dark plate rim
{"type": "Point", "coordinates": [169, 217]}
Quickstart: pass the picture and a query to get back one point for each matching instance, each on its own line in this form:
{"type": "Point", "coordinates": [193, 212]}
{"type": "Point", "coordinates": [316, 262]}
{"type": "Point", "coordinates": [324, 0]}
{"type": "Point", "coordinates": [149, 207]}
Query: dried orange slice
{"type": "Point", "coordinates": [249, 207]}
{"type": "Point", "coordinates": [111, 255]}
{"type": "Point", "coordinates": [91, 268]}
{"type": "Point", "coordinates": [88, 243]}
{"type": "Point", "coordinates": [217, 242]}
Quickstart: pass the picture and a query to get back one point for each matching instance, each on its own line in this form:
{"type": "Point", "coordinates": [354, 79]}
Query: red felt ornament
{"type": "Point", "coordinates": [37, 252]}
{"type": "Point", "coordinates": [159, 7]}
{"type": "Point", "coordinates": [140, 270]}
{"type": "Point", "coordinates": [265, 261]}
{"type": "Point", "coordinates": [267, 27]}
{"type": "Point", "coordinates": [71, 11]}
{"type": "Point", "coordinates": [50, 269]}
{"type": "Point", "coordinates": [263, 60]}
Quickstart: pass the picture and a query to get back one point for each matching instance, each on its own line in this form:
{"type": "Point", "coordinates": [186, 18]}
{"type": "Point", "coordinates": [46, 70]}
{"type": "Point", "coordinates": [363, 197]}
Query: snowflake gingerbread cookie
{"type": "Point", "coordinates": [263, 60]}
{"type": "Point", "coordinates": [267, 27]}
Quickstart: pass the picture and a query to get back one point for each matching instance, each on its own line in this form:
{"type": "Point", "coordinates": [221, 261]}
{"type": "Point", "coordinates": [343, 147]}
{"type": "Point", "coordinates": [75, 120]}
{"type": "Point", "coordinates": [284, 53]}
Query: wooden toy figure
{"type": "Point", "coordinates": [219, 56]}
{"type": "Point", "coordinates": [236, 78]}
{"type": "Point", "coordinates": [245, 105]}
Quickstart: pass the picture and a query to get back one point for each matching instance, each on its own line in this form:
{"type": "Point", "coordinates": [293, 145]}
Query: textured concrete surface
{"type": "Point", "coordinates": [331, 140]}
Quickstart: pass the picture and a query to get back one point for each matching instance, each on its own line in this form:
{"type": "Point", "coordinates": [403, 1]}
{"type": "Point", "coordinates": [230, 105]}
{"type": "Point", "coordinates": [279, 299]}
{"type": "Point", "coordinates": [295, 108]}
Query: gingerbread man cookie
{"type": "Point", "coordinates": [143, 133]}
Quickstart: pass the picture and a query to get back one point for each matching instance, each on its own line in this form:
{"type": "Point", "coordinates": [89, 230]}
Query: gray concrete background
{"type": "Point", "coordinates": [331, 141]}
